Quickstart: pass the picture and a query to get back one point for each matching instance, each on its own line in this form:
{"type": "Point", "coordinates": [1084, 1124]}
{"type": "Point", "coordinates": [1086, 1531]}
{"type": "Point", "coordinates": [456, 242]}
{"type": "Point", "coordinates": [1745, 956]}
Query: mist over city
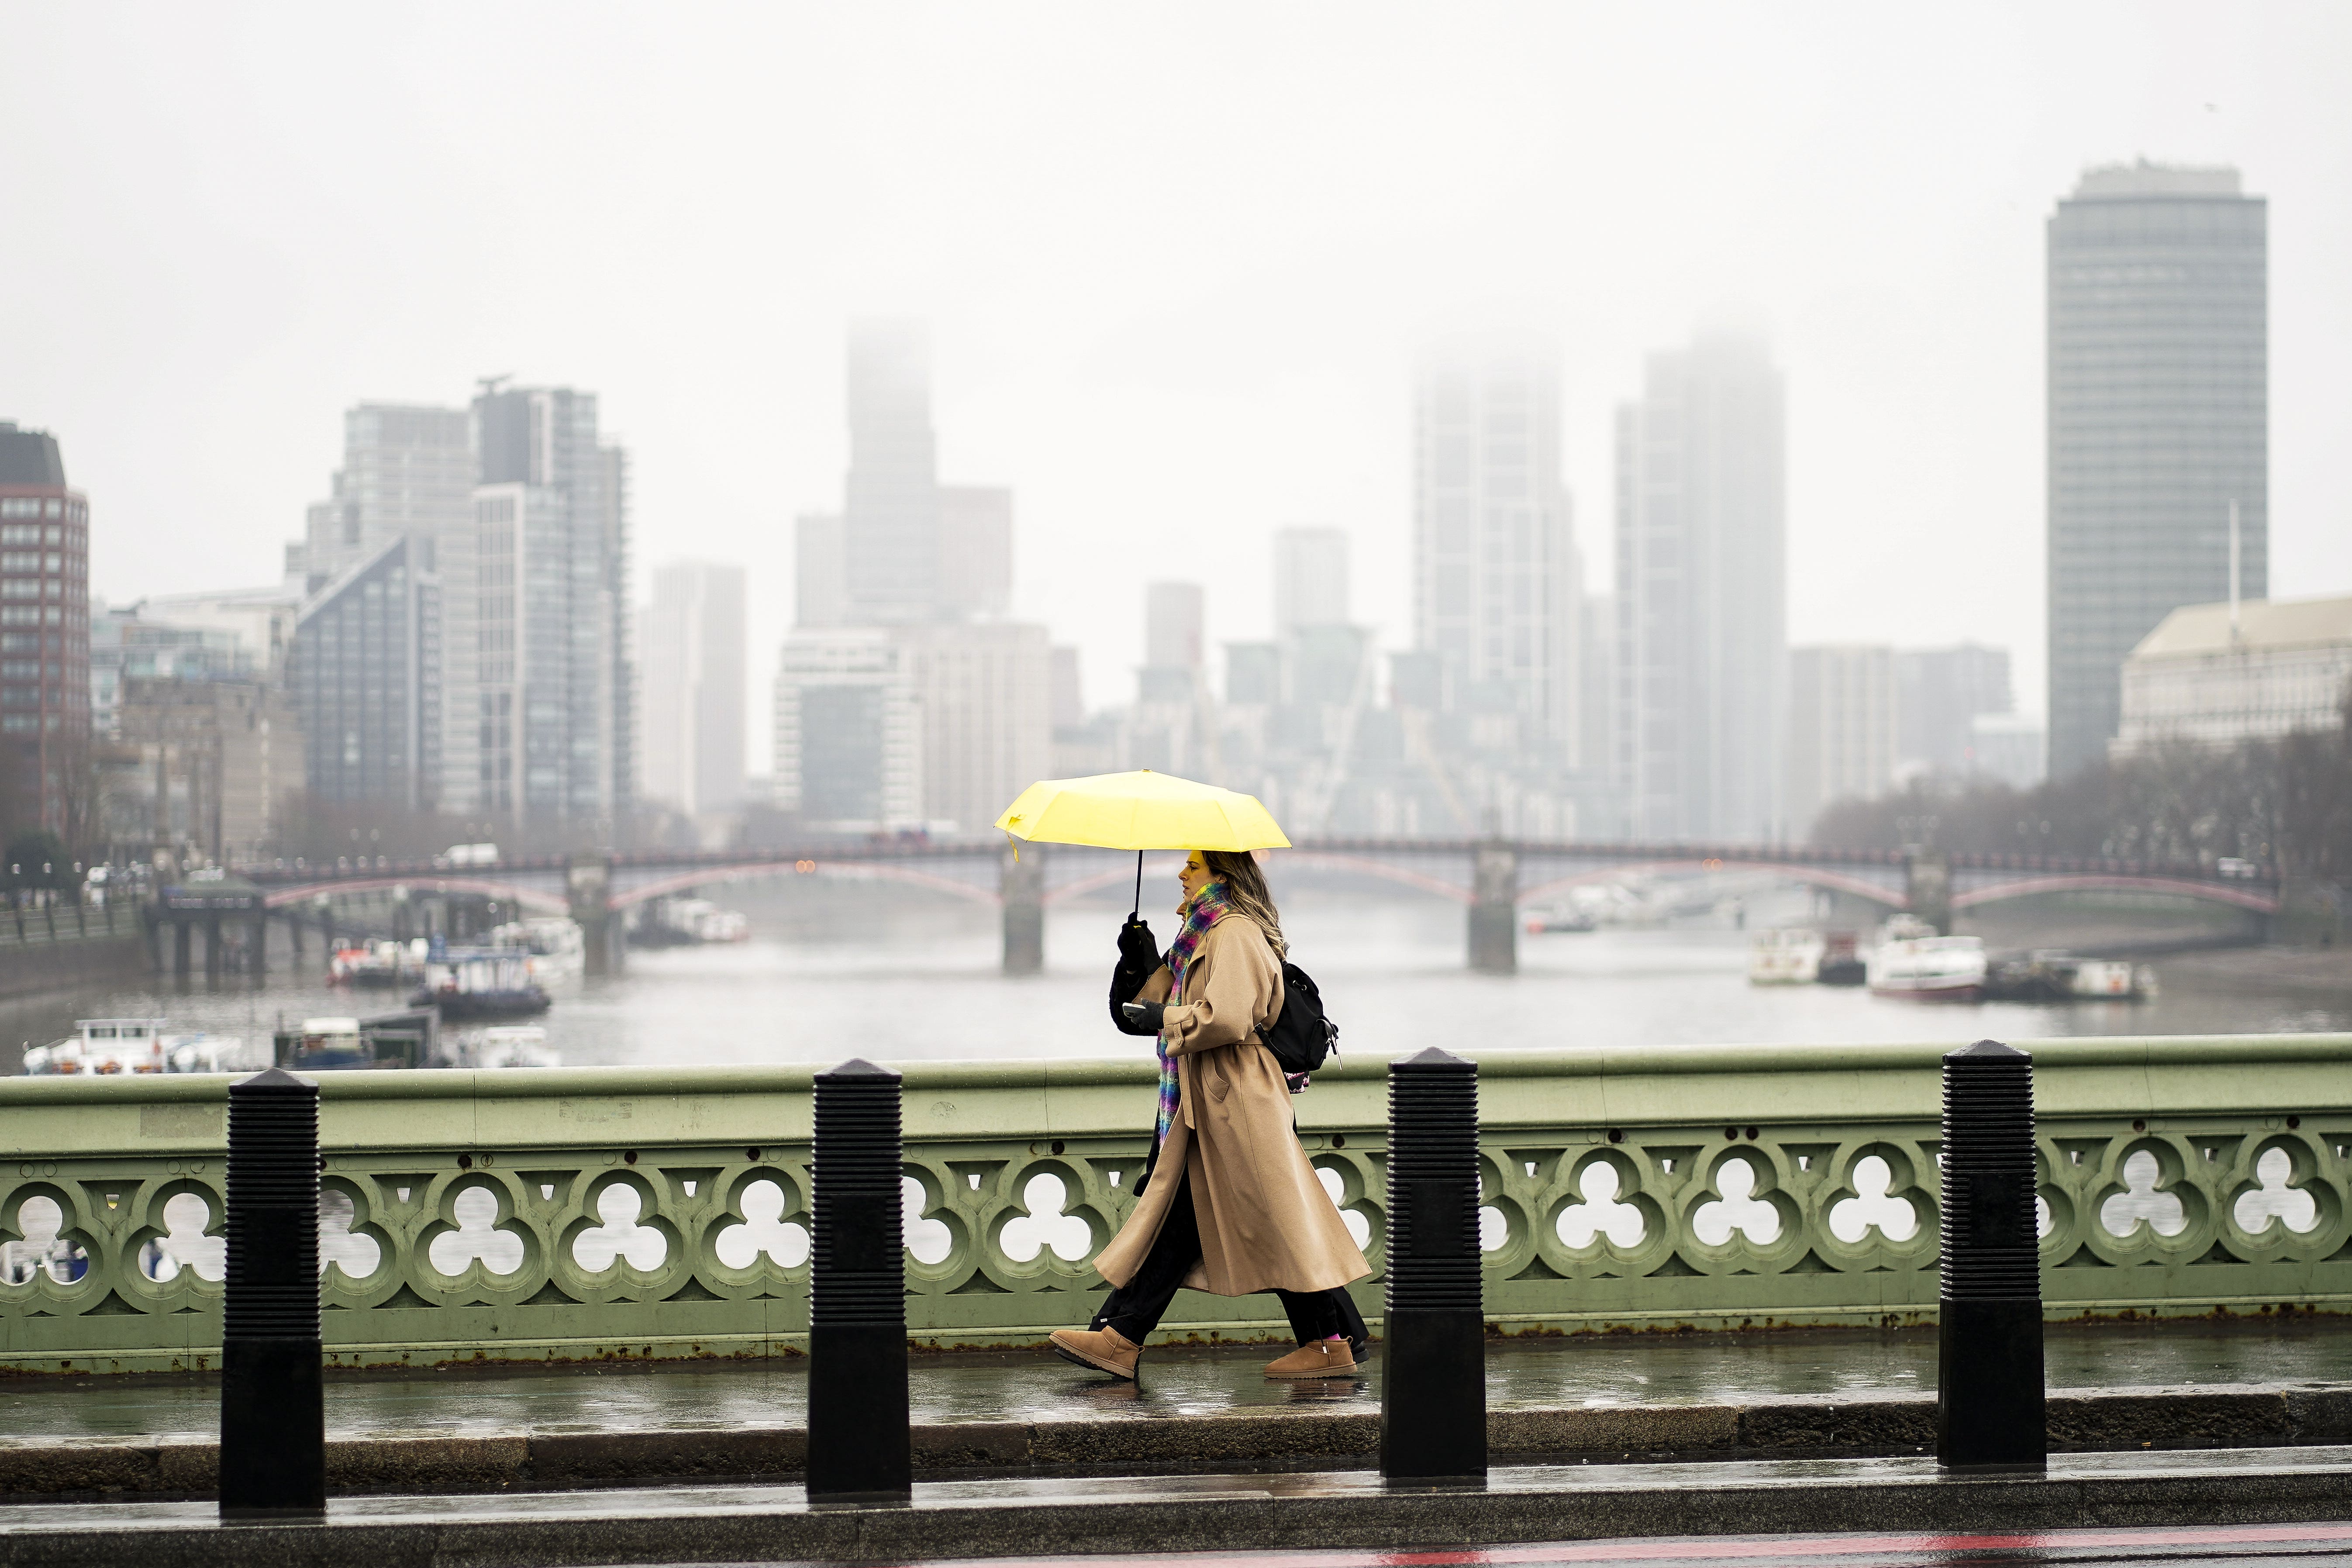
{"type": "Point", "coordinates": [1290, 786]}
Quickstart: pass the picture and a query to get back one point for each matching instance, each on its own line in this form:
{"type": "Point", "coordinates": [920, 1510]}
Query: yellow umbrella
{"type": "Point", "coordinates": [1141, 811]}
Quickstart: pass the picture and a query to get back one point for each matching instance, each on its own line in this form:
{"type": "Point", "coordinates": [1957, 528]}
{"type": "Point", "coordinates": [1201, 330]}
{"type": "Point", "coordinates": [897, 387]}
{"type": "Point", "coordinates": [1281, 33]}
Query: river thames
{"type": "Point", "coordinates": [834, 971]}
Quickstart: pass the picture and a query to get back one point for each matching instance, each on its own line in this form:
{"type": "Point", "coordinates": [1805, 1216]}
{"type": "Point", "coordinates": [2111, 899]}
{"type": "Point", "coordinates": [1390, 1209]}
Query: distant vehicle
{"type": "Point", "coordinates": [458, 855]}
{"type": "Point", "coordinates": [1546, 920]}
{"type": "Point", "coordinates": [1790, 956]}
{"type": "Point", "coordinates": [2230, 866]}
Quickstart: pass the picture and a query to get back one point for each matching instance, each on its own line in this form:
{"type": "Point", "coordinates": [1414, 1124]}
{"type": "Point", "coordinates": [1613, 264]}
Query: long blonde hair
{"type": "Point", "coordinates": [1245, 891]}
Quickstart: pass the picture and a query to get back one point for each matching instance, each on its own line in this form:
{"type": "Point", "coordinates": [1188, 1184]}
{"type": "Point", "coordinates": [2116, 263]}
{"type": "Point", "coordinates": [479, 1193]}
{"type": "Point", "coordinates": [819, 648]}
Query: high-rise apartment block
{"type": "Point", "coordinates": [408, 471]}
{"type": "Point", "coordinates": [692, 712]}
{"type": "Point", "coordinates": [1310, 579]}
{"type": "Point", "coordinates": [2158, 422]}
{"type": "Point", "coordinates": [44, 635]}
{"type": "Point", "coordinates": [365, 678]}
{"type": "Point", "coordinates": [1497, 584]}
{"type": "Point", "coordinates": [1701, 665]}
{"type": "Point", "coordinates": [463, 644]}
{"type": "Point", "coordinates": [1842, 726]}
{"type": "Point", "coordinates": [537, 706]}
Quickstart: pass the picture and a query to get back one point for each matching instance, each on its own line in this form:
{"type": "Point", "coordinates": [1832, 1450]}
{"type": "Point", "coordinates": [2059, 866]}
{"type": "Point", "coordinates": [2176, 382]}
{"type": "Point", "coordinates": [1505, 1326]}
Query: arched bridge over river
{"type": "Point", "coordinates": [1491, 877]}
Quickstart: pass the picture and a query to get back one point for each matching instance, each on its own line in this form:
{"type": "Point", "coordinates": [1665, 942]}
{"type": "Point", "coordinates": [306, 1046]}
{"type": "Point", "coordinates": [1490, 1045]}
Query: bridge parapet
{"type": "Point", "coordinates": [596, 1213]}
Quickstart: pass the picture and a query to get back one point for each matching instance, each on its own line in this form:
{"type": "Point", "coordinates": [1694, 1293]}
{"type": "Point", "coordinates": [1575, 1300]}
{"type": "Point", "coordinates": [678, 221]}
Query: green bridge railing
{"type": "Point", "coordinates": [642, 1212]}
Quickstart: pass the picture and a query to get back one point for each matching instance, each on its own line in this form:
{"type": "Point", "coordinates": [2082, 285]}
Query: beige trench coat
{"type": "Point", "coordinates": [1266, 1222]}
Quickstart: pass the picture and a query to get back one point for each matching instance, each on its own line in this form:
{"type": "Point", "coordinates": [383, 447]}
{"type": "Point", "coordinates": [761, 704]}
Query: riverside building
{"type": "Point", "coordinates": [44, 634]}
{"type": "Point", "coordinates": [2158, 422]}
{"type": "Point", "coordinates": [2221, 674]}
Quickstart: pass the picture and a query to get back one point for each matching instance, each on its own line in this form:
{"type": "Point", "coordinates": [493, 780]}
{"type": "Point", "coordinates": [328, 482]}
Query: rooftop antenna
{"type": "Point", "coordinates": [2234, 637]}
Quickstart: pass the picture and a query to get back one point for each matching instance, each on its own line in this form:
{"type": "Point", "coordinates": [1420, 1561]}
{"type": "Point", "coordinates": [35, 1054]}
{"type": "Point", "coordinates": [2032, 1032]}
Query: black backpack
{"type": "Point", "coordinates": [1301, 1038]}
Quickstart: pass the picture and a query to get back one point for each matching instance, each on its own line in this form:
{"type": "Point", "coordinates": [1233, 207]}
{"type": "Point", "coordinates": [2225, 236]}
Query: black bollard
{"type": "Point", "coordinates": [1988, 1389]}
{"type": "Point", "coordinates": [857, 1439]}
{"type": "Point", "coordinates": [273, 1423]}
{"type": "Point", "coordinates": [1433, 1359]}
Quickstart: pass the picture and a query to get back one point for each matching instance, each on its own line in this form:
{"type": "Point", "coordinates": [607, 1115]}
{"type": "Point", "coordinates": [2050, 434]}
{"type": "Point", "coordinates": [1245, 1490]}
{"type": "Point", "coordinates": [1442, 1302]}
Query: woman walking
{"type": "Point", "coordinates": [1229, 1204]}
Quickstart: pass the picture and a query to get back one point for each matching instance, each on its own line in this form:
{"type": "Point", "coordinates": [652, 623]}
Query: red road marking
{"type": "Point", "coordinates": [1724, 1550]}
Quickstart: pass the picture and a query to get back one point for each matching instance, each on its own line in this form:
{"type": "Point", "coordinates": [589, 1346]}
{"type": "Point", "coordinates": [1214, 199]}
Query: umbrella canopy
{"type": "Point", "coordinates": [1141, 810]}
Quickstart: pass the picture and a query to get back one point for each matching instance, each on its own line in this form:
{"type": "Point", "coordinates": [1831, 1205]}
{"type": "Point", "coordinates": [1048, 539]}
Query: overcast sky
{"type": "Point", "coordinates": [1177, 259]}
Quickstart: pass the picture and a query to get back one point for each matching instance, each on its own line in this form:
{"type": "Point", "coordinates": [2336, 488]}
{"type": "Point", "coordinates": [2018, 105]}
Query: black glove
{"type": "Point", "coordinates": [1137, 945]}
{"type": "Point", "coordinates": [1138, 959]}
{"type": "Point", "coordinates": [1144, 1017]}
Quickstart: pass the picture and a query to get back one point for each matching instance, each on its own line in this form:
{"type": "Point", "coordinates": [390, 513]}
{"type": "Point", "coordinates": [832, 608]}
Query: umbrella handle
{"type": "Point", "coordinates": [1134, 913]}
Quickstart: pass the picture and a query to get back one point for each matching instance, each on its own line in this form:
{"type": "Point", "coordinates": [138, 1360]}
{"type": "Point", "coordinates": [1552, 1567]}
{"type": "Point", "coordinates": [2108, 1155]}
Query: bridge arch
{"type": "Point", "coordinates": [1814, 876]}
{"type": "Point", "coordinates": [524, 898]}
{"type": "Point", "coordinates": [2243, 898]}
{"type": "Point", "coordinates": [846, 871]}
{"type": "Point", "coordinates": [1368, 865]}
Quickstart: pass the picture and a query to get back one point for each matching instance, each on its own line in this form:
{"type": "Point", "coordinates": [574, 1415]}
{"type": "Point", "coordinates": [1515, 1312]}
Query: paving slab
{"type": "Point", "coordinates": [1168, 1514]}
{"type": "Point", "coordinates": [1593, 1371]}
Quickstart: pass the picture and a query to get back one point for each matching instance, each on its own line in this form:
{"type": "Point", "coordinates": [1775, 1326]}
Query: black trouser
{"type": "Point", "coordinates": [1136, 1308]}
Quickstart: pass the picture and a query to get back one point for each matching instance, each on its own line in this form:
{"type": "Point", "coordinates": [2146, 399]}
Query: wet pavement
{"type": "Point", "coordinates": [1586, 1372]}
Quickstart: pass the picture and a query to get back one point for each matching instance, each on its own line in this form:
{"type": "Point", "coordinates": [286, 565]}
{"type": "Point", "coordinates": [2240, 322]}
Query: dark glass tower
{"type": "Point", "coordinates": [2158, 410]}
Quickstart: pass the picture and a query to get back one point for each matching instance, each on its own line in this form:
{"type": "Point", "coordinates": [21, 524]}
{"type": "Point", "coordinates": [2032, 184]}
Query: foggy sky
{"type": "Point", "coordinates": [1176, 260]}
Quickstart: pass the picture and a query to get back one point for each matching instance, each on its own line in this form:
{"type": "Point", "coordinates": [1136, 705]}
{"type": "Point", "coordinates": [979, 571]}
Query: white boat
{"type": "Point", "coordinates": [104, 1047]}
{"type": "Point", "coordinates": [1790, 956]}
{"type": "Point", "coordinates": [556, 947]}
{"type": "Point", "coordinates": [505, 1046]}
{"type": "Point", "coordinates": [1911, 961]}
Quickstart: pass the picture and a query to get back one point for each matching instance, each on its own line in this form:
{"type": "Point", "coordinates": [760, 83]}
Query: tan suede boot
{"type": "Point", "coordinates": [1324, 1358]}
{"type": "Point", "coordinates": [1107, 1349]}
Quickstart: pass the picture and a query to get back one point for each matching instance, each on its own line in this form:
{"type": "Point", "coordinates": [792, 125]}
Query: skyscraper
{"type": "Point", "coordinates": [1310, 579]}
{"type": "Point", "coordinates": [693, 710]}
{"type": "Point", "coordinates": [44, 639]}
{"type": "Point", "coordinates": [890, 515]}
{"type": "Point", "coordinates": [1497, 588]}
{"type": "Point", "coordinates": [1702, 664]}
{"type": "Point", "coordinates": [408, 471]}
{"type": "Point", "coordinates": [537, 704]}
{"type": "Point", "coordinates": [2158, 421]}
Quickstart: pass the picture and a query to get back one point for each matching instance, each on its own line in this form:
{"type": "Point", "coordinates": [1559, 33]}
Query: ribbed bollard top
{"type": "Point", "coordinates": [857, 1272]}
{"type": "Point", "coordinates": [272, 1284]}
{"type": "Point", "coordinates": [1990, 1251]}
{"type": "Point", "coordinates": [1432, 1166]}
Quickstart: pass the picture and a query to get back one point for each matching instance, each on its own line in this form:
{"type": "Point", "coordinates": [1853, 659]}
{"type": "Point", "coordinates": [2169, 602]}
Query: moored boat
{"type": "Point", "coordinates": [479, 984]}
{"type": "Point", "coordinates": [1913, 962]}
{"type": "Point", "coordinates": [1788, 955]}
{"type": "Point", "coordinates": [105, 1046]}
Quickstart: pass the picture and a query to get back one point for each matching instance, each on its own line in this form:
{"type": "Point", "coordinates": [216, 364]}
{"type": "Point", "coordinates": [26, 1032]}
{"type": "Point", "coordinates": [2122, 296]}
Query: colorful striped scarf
{"type": "Point", "coordinates": [1207, 908]}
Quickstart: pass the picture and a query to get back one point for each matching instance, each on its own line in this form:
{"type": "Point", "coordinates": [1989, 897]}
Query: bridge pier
{"type": "Point", "coordinates": [587, 884]}
{"type": "Point", "coordinates": [1022, 883]}
{"type": "Point", "coordinates": [1928, 886]}
{"type": "Point", "coordinates": [1494, 909]}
